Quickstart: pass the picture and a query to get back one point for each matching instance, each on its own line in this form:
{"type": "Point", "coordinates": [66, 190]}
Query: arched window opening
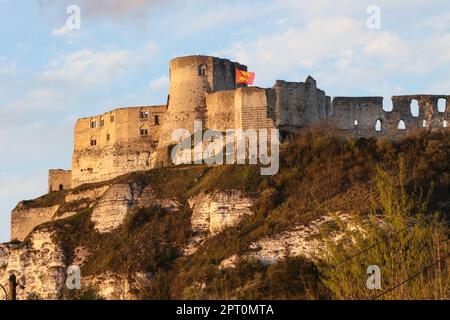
{"type": "Point", "coordinates": [401, 125]}
{"type": "Point", "coordinates": [378, 126]}
{"type": "Point", "coordinates": [93, 142]}
{"type": "Point", "coordinates": [202, 70]}
{"type": "Point", "coordinates": [424, 123]}
{"type": "Point", "coordinates": [442, 104]}
{"type": "Point", "coordinates": [108, 136]}
{"type": "Point", "coordinates": [415, 108]}
{"type": "Point", "coordinates": [355, 123]}
{"type": "Point", "coordinates": [445, 124]}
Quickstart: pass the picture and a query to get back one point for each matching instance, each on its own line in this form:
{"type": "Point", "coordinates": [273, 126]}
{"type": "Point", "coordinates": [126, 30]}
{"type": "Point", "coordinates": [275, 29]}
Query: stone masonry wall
{"type": "Point", "coordinates": [254, 108]}
{"type": "Point", "coordinates": [300, 104]}
{"type": "Point", "coordinates": [59, 180]}
{"type": "Point", "coordinates": [365, 116]}
{"type": "Point", "coordinates": [220, 107]}
{"type": "Point", "coordinates": [124, 142]}
{"type": "Point", "coordinates": [187, 95]}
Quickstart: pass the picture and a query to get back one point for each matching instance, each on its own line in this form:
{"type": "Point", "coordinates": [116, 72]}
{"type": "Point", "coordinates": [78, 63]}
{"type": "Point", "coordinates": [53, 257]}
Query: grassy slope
{"type": "Point", "coordinates": [318, 174]}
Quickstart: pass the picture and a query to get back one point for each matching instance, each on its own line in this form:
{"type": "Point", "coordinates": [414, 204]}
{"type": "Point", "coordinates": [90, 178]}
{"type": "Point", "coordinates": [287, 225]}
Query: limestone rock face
{"type": "Point", "coordinates": [301, 240]}
{"type": "Point", "coordinates": [89, 194]}
{"type": "Point", "coordinates": [214, 212]}
{"type": "Point", "coordinates": [112, 208]}
{"type": "Point", "coordinates": [38, 265]}
{"type": "Point", "coordinates": [119, 199]}
{"type": "Point", "coordinates": [40, 268]}
{"type": "Point", "coordinates": [24, 220]}
{"type": "Point", "coordinates": [114, 286]}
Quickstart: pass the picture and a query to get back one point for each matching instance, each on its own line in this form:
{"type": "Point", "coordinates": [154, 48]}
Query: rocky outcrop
{"type": "Point", "coordinates": [24, 219]}
{"type": "Point", "coordinates": [112, 208]}
{"type": "Point", "coordinates": [39, 266]}
{"type": "Point", "coordinates": [119, 199]}
{"type": "Point", "coordinates": [114, 286]}
{"type": "Point", "coordinates": [214, 212]}
{"type": "Point", "coordinates": [302, 240]}
{"type": "Point", "coordinates": [88, 194]}
{"type": "Point", "coordinates": [41, 271]}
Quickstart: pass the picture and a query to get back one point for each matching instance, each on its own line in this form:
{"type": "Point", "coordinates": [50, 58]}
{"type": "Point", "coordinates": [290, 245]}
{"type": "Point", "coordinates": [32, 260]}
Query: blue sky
{"type": "Point", "coordinates": [50, 76]}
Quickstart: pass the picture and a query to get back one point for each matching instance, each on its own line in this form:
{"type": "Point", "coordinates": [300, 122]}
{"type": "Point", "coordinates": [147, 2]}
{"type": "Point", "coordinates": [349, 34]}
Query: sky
{"type": "Point", "coordinates": [51, 74]}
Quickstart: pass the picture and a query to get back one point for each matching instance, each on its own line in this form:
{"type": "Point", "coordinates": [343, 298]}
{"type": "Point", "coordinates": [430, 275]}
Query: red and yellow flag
{"type": "Point", "coordinates": [244, 77]}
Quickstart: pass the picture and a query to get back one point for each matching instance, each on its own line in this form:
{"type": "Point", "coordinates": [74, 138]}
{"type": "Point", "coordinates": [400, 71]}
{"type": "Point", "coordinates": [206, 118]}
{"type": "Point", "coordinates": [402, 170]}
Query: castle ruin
{"type": "Point", "coordinates": [203, 88]}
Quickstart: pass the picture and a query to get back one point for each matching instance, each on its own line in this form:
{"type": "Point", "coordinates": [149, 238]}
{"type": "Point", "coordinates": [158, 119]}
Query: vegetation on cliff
{"type": "Point", "coordinates": [319, 174]}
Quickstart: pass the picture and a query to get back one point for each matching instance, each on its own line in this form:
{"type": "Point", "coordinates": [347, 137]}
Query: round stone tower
{"type": "Point", "coordinates": [191, 78]}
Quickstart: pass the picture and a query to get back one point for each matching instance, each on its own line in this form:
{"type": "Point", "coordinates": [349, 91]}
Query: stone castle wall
{"type": "Point", "coordinates": [203, 88]}
{"type": "Point", "coordinates": [191, 78]}
{"type": "Point", "coordinates": [365, 116]}
{"type": "Point", "coordinates": [115, 143]}
{"type": "Point", "coordinates": [288, 106]}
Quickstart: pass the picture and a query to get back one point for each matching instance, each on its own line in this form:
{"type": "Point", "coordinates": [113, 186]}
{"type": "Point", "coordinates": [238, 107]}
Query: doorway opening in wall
{"type": "Point", "coordinates": [415, 108]}
{"type": "Point", "coordinates": [401, 125]}
{"type": "Point", "coordinates": [442, 104]}
{"type": "Point", "coordinates": [378, 126]}
{"type": "Point", "coordinates": [61, 187]}
{"type": "Point", "coordinates": [424, 123]}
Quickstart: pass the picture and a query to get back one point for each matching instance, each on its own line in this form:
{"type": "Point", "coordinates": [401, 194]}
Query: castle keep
{"type": "Point", "coordinates": [203, 88]}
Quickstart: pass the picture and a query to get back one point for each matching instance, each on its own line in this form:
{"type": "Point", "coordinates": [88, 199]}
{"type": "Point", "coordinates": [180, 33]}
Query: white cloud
{"type": "Point", "coordinates": [160, 84]}
{"type": "Point", "coordinates": [136, 9]}
{"type": "Point", "coordinates": [63, 31]}
{"type": "Point", "coordinates": [388, 45]}
{"type": "Point", "coordinates": [285, 50]}
{"type": "Point", "coordinates": [88, 67]}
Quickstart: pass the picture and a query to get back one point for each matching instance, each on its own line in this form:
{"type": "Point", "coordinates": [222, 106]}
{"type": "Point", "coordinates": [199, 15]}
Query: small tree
{"type": "Point", "coordinates": [408, 244]}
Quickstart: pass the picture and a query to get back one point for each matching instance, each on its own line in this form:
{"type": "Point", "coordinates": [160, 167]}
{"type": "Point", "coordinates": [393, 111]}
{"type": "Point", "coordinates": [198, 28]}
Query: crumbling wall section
{"type": "Point", "coordinates": [300, 104]}
{"type": "Point", "coordinates": [59, 179]}
{"type": "Point", "coordinates": [366, 117]}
